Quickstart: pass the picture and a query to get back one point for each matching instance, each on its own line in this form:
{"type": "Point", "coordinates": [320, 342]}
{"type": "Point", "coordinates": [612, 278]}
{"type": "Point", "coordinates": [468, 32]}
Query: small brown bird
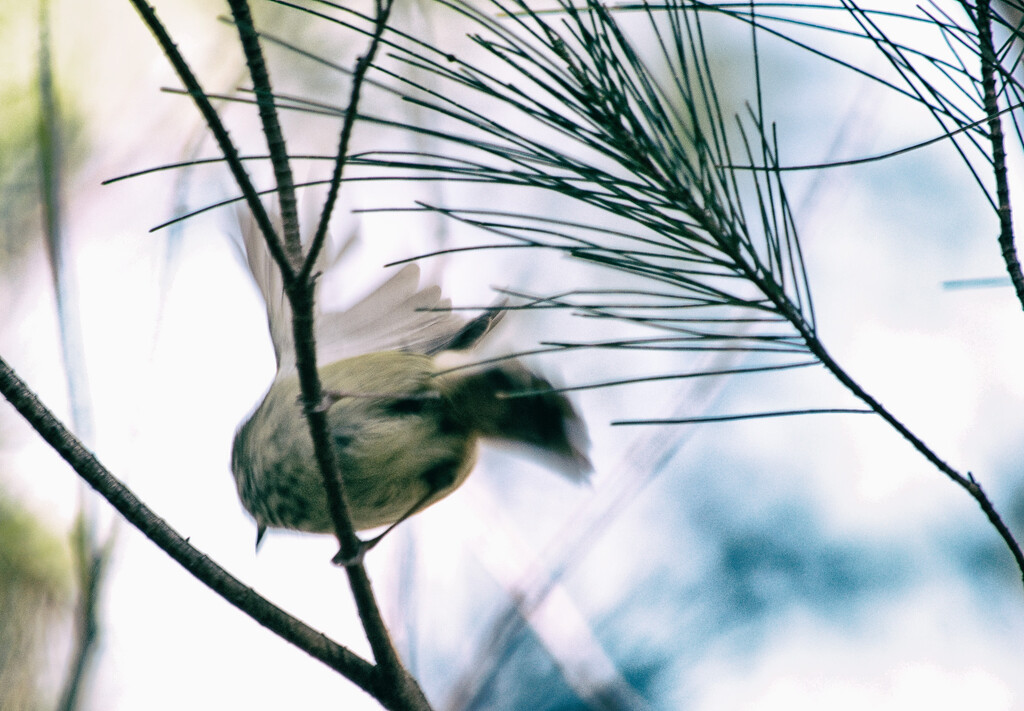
{"type": "Point", "coordinates": [405, 433]}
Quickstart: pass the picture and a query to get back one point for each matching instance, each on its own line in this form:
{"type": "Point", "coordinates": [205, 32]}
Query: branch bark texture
{"type": "Point", "coordinates": [171, 542]}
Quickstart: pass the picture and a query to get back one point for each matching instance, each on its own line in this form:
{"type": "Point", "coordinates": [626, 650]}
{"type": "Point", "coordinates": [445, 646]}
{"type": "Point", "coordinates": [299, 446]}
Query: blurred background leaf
{"type": "Point", "coordinates": [35, 591]}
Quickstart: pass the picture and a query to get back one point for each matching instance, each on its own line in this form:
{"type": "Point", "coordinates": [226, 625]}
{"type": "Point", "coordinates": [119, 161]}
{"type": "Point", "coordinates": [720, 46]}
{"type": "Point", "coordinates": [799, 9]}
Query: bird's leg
{"type": "Point", "coordinates": [365, 546]}
{"type": "Point", "coordinates": [438, 478]}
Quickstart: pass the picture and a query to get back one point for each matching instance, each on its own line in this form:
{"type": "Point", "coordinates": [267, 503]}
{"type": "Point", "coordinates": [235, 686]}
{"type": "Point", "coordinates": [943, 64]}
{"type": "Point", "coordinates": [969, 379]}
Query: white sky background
{"type": "Point", "coordinates": [173, 371]}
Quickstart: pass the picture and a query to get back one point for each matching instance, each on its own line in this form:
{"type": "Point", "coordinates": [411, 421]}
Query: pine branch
{"type": "Point", "coordinates": [673, 177]}
{"type": "Point", "coordinates": [217, 128]}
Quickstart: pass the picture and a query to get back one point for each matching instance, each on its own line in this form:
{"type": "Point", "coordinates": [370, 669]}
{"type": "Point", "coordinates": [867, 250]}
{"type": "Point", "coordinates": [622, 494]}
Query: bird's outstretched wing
{"type": "Point", "coordinates": [397, 315]}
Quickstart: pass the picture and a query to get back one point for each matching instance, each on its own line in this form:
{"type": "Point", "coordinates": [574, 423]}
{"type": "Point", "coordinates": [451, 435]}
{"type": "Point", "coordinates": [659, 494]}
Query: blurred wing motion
{"type": "Point", "coordinates": [397, 315]}
{"type": "Point", "coordinates": [405, 431]}
{"type": "Point", "coordinates": [509, 403]}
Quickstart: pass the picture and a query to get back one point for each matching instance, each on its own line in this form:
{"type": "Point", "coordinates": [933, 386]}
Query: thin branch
{"type": "Point", "coordinates": [271, 128]}
{"type": "Point", "coordinates": [300, 296]}
{"type": "Point", "coordinates": [708, 373]}
{"type": "Point", "coordinates": [968, 483]}
{"type": "Point", "coordinates": [394, 687]}
{"type": "Point", "coordinates": [878, 157]}
{"type": "Point", "coordinates": [989, 66]}
{"type": "Point", "coordinates": [300, 288]}
{"type": "Point", "coordinates": [748, 416]}
{"type": "Point", "coordinates": [351, 112]}
{"type": "Point", "coordinates": [70, 448]}
{"type": "Point", "coordinates": [217, 128]}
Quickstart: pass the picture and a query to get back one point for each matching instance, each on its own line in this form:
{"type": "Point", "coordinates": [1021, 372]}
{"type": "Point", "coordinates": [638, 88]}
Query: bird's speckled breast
{"type": "Point", "coordinates": [395, 436]}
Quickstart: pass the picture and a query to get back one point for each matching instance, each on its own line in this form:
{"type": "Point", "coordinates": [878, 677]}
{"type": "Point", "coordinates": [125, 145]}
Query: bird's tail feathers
{"type": "Point", "coordinates": [507, 402]}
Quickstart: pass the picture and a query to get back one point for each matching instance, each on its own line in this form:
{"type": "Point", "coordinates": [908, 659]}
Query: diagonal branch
{"type": "Point", "coordinates": [968, 482]}
{"type": "Point", "coordinates": [351, 113]}
{"type": "Point", "coordinates": [217, 128]}
{"type": "Point", "coordinates": [271, 128]}
{"type": "Point", "coordinates": [300, 288]}
{"type": "Point", "coordinates": [85, 463]}
{"type": "Point", "coordinates": [393, 686]}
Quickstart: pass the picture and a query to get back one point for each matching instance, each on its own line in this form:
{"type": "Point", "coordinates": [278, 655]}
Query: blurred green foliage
{"type": "Point", "coordinates": [35, 589]}
{"type": "Point", "coordinates": [20, 103]}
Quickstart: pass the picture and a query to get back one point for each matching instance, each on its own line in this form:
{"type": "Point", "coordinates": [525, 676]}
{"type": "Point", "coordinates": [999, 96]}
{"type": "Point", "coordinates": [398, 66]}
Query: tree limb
{"type": "Point", "coordinates": [171, 542]}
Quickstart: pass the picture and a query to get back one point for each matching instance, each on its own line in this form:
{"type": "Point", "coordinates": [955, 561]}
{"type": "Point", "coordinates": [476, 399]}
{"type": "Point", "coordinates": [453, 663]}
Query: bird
{"type": "Point", "coordinates": [404, 425]}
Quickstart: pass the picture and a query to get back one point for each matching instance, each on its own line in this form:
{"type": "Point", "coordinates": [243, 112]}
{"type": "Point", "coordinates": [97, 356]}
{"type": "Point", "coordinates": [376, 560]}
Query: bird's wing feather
{"type": "Point", "coordinates": [267, 276]}
{"type": "Point", "coordinates": [397, 315]}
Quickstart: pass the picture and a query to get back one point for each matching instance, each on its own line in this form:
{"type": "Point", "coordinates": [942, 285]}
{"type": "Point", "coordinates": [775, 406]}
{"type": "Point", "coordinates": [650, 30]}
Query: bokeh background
{"type": "Point", "coordinates": [796, 563]}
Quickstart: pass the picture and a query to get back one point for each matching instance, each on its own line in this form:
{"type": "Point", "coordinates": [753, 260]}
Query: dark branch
{"type": "Point", "coordinates": [351, 113]}
{"type": "Point", "coordinates": [989, 67]}
{"type": "Point", "coordinates": [271, 128]}
{"type": "Point", "coordinates": [217, 128]}
{"type": "Point", "coordinates": [170, 541]}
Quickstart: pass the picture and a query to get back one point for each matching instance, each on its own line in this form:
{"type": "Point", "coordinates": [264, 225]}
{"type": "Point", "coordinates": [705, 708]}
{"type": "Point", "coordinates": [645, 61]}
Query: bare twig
{"type": "Point", "coordinates": [271, 128]}
{"type": "Point", "coordinates": [217, 128]}
{"type": "Point", "coordinates": [70, 448]}
{"type": "Point", "coordinates": [351, 112]}
{"type": "Point", "coordinates": [968, 483]}
{"type": "Point", "coordinates": [300, 287]}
